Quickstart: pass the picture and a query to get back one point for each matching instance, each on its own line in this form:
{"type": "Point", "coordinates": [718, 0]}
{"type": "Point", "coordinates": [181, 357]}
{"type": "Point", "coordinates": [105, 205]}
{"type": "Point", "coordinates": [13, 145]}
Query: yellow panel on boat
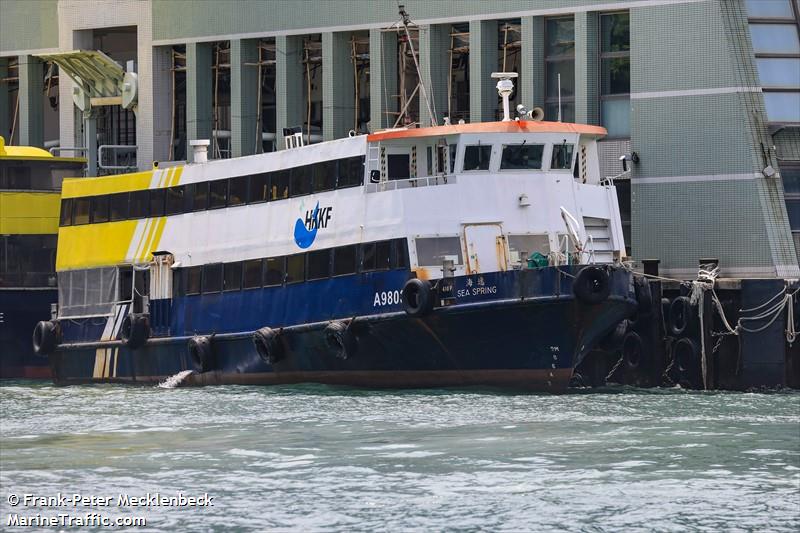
{"type": "Point", "coordinates": [78, 187]}
{"type": "Point", "coordinates": [29, 213]}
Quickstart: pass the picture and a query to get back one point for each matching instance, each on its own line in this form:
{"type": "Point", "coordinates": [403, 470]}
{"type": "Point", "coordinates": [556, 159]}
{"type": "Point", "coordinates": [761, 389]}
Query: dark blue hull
{"type": "Point", "coordinates": [20, 310]}
{"type": "Point", "coordinates": [514, 329]}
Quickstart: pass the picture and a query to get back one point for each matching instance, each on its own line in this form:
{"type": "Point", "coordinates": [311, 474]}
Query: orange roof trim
{"type": "Point", "coordinates": [513, 126]}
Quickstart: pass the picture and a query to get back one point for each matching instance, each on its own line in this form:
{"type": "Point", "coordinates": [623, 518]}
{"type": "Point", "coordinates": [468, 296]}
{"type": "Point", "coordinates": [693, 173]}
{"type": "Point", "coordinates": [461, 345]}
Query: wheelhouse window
{"type": "Point", "coordinates": [775, 34]}
{"type": "Point", "coordinates": [477, 157]}
{"type": "Point", "coordinates": [615, 74]}
{"type": "Point", "coordinates": [560, 60]}
{"type": "Point", "coordinates": [398, 166]}
{"type": "Point", "coordinates": [345, 260]}
{"type": "Point", "coordinates": [522, 157]}
{"type": "Point", "coordinates": [212, 278]}
{"type": "Point", "coordinates": [562, 156]}
{"type": "Point", "coordinates": [319, 264]}
{"type": "Point", "coordinates": [253, 274]}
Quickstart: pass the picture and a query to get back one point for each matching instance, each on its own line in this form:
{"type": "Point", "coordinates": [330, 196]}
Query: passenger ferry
{"type": "Point", "coordinates": [30, 184]}
{"type": "Point", "coordinates": [468, 254]}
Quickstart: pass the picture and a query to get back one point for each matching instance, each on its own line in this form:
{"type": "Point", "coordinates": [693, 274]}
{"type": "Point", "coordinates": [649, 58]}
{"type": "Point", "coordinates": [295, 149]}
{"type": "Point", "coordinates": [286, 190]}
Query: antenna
{"type": "Point", "coordinates": [406, 19]}
{"type": "Point", "coordinates": [504, 88]}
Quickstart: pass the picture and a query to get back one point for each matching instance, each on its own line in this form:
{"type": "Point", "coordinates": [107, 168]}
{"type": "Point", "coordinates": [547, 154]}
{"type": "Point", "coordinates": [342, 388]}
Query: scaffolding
{"type": "Point", "coordinates": [359, 55]}
{"type": "Point", "coordinates": [458, 54]}
{"type": "Point", "coordinates": [312, 63]}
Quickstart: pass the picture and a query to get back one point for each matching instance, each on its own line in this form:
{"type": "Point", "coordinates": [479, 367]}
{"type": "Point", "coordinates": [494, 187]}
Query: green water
{"type": "Point", "coordinates": [313, 458]}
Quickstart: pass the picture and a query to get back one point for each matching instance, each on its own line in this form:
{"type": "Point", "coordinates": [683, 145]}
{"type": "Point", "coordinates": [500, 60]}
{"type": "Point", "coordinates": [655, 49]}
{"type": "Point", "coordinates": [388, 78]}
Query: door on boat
{"type": "Point", "coordinates": [487, 250]}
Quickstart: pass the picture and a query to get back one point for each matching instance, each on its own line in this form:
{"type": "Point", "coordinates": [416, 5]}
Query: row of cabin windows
{"type": "Point", "coordinates": [275, 271]}
{"type": "Point", "coordinates": [241, 190]}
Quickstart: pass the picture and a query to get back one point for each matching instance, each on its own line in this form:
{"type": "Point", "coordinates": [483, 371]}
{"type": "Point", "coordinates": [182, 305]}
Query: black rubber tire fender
{"type": "Point", "coordinates": [417, 297]}
{"type": "Point", "coordinates": [618, 335]}
{"type": "Point", "coordinates": [268, 345]}
{"type": "Point", "coordinates": [45, 338]}
{"type": "Point", "coordinates": [644, 297]}
{"type": "Point", "coordinates": [592, 285]}
{"type": "Point", "coordinates": [340, 339]}
{"type": "Point", "coordinates": [201, 352]}
{"type": "Point", "coordinates": [686, 354]}
{"type": "Point", "coordinates": [632, 350]}
{"type": "Point", "coordinates": [135, 330]}
{"type": "Point", "coordinates": [680, 317]}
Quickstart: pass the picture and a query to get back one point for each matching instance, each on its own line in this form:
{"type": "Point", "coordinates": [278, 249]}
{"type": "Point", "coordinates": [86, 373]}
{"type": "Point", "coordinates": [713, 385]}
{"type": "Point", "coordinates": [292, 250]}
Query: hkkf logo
{"type": "Point", "coordinates": [305, 230]}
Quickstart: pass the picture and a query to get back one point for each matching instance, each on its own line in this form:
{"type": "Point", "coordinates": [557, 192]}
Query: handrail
{"type": "Point", "coordinates": [125, 147]}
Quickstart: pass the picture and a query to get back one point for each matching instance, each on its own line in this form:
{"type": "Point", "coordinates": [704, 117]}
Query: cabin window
{"type": "Point", "coordinates": [295, 268]}
{"type": "Point", "coordinates": [301, 180]}
{"type": "Point", "coordinates": [217, 194]}
{"type": "Point", "coordinates": [66, 212]}
{"type": "Point", "coordinates": [398, 166]}
{"type": "Point", "coordinates": [521, 247]}
{"type": "Point", "coordinates": [522, 157]}
{"type": "Point", "coordinates": [351, 172]}
{"type": "Point", "coordinates": [118, 208]}
{"type": "Point", "coordinates": [125, 284]}
{"type": "Point", "coordinates": [432, 251]}
{"type": "Point", "coordinates": [194, 277]}
{"type": "Point", "coordinates": [477, 157]}
{"type": "Point", "coordinates": [87, 292]}
{"type": "Point", "coordinates": [259, 188]}
{"type": "Point", "coordinates": [400, 253]}
{"type": "Point", "coordinates": [345, 260]}
{"type": "Point", "coordinates": [253, 273]}
{"type": "Point", "coordinates": [81, 210]}
{"type": "Point", "coordinates": [429, 160]}
{"type": "Point", "coordinates": [175, 200]}
{"type": "Point", "coordinates": [280, 185]}
{"type": "Point", "coordinates": [319, 264]}
{"type": "Point", "coordinates": [139, 206]}
{"type": "Point", "coordinates": [375, 256]}
{"type": "Point", "coordinates": [212, 278]}
{"type": "Point", "coordinates": [200, 197]}
{"type": "Point", "coordinates": [324, 176]}
{"type": "Point", "coordinates": [157, 198]}
{"type": "Point", "coordinates": [232, 276]}
{"type": "Point", "coordinates": [237, 194]}
{"type": "Point", "coordinates": [276, 270]}
{"type": "Point", "coordinates": [562, 156]}
{"type": "Point", "coordinates": [99, 209]}
{"type": "Point", "coordinates": [452, 149]}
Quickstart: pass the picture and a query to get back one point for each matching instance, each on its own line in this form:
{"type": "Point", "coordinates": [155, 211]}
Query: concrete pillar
{"type": "Point", "coordinates": [199, 79]}
{"type": "Point", "coordinates": [244, 97]}
{"type": "Point", "coordinates": [434, 44]}
{"type": "Point", "coordinates": [382, 78]}
{"type": "Point", "coordinates": [288, 84]}
{"type": "Point", "coordinates": [161, 117]}
{"type": "Point", "coordinates": [338, 86]}
{"type": "Point", "coordinates": [31, 117]}
{"type": "Point", "coordinates": [5, 103]}
{"type": "Point", "coordinates": [482, 62]}
{"type": "Point", "coordinates": [587, 68]}
{"type": "Point", "coordinates": [532, 81]}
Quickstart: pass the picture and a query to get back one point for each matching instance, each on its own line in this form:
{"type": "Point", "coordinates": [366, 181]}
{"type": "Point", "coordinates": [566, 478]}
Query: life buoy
{"type": "Point", "coordinates": [268, 345]}
{"type": "Point", "coordinates": [632, 350]}
{"type": "Point", "coordinates": [591, 285]}
{"type": "Point", "coordinates": [644, 298]}
{"type": "Point", "coordinates": [340, 339]}
{"type": "Point", "coordinates": [45, 338]}
{"type": "Point", "coordinates": [681, 315]}
{"type": "Point", "coordinates": [135, 330]}
{"type": "Point", "coordinates": [417, 297]}
{"type": "Point", "coordinates": [201, 352]}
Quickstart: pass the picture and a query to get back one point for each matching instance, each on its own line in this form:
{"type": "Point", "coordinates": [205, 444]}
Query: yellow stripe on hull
{"type": "Point", "coordinates": [29, 213]}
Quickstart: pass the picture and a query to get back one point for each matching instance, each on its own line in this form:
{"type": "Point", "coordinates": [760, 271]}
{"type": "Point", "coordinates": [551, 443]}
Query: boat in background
{"type": "Point", "coordinates": [30, 195]}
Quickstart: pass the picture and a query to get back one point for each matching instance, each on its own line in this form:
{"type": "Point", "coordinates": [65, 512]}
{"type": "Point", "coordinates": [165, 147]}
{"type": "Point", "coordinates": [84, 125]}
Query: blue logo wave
{"type": "Point", "coordinates": [302, 235]}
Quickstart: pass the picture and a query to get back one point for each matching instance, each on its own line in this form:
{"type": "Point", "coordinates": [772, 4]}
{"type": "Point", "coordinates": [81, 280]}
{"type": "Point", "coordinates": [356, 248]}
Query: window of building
{"type": "Point", "coordinates": [791, 188]}
{"type": "Point", "coordinates": [217, 194]}
{"type": "Point", "coordinates": [324, 176]}
{"type": "Point", "coordinates": [193, 279]}
{"type": "Point", "coordinates": [615, 74]}
{"type": "Point", "coordinates": [253, 273]}
{"type": "Point", "coordinates": [99, 209]}
{"type": "Point", "coordinates": [477, 157]}
{"type": "Point", "coordinates": [157, 200]}
{"type": "Point", "coordinates": [175, 200]}
{"type": "Point", "coordinates": [237, 194]}
{"type": "Point", "coordinates": [212, 278]}
{"type": "Point", "coordinates": [775, 34]}
{"type": "Point", "coordinates": [276, 270]}
{"type": "Point", "coordinates": [319, 264]}
{"type": "Point", "coordinates": [259, 188]}
{"type": "Point", "coordinates": [345, 260]}
{"type": "Point", "coordinates": [119, 206]}
{"type": "Point", "coordinates": [81, 210]}
{"type": "Point", "coordinates": [562, 156]}
{"type": "Point", "coordinates": [560, 60]}
{"type": "Point", "coordinates": [521, 156]}
{"type": "Point", "coordinates": [139, 206]}
{"type": "Point", "coordinates": [66, 212]}
{"type": "Point", "coordinates": [295, 268]}
{"type": "Point", "coordinates": [232, 276]}
{"type": "Point", "coordinates": [432, 251]}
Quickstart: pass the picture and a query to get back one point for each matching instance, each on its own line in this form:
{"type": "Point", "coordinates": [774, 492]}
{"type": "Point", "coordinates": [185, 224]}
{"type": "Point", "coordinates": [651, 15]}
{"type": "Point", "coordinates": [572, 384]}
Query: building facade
{"type": "Point", "coordinates": [705, 93]}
